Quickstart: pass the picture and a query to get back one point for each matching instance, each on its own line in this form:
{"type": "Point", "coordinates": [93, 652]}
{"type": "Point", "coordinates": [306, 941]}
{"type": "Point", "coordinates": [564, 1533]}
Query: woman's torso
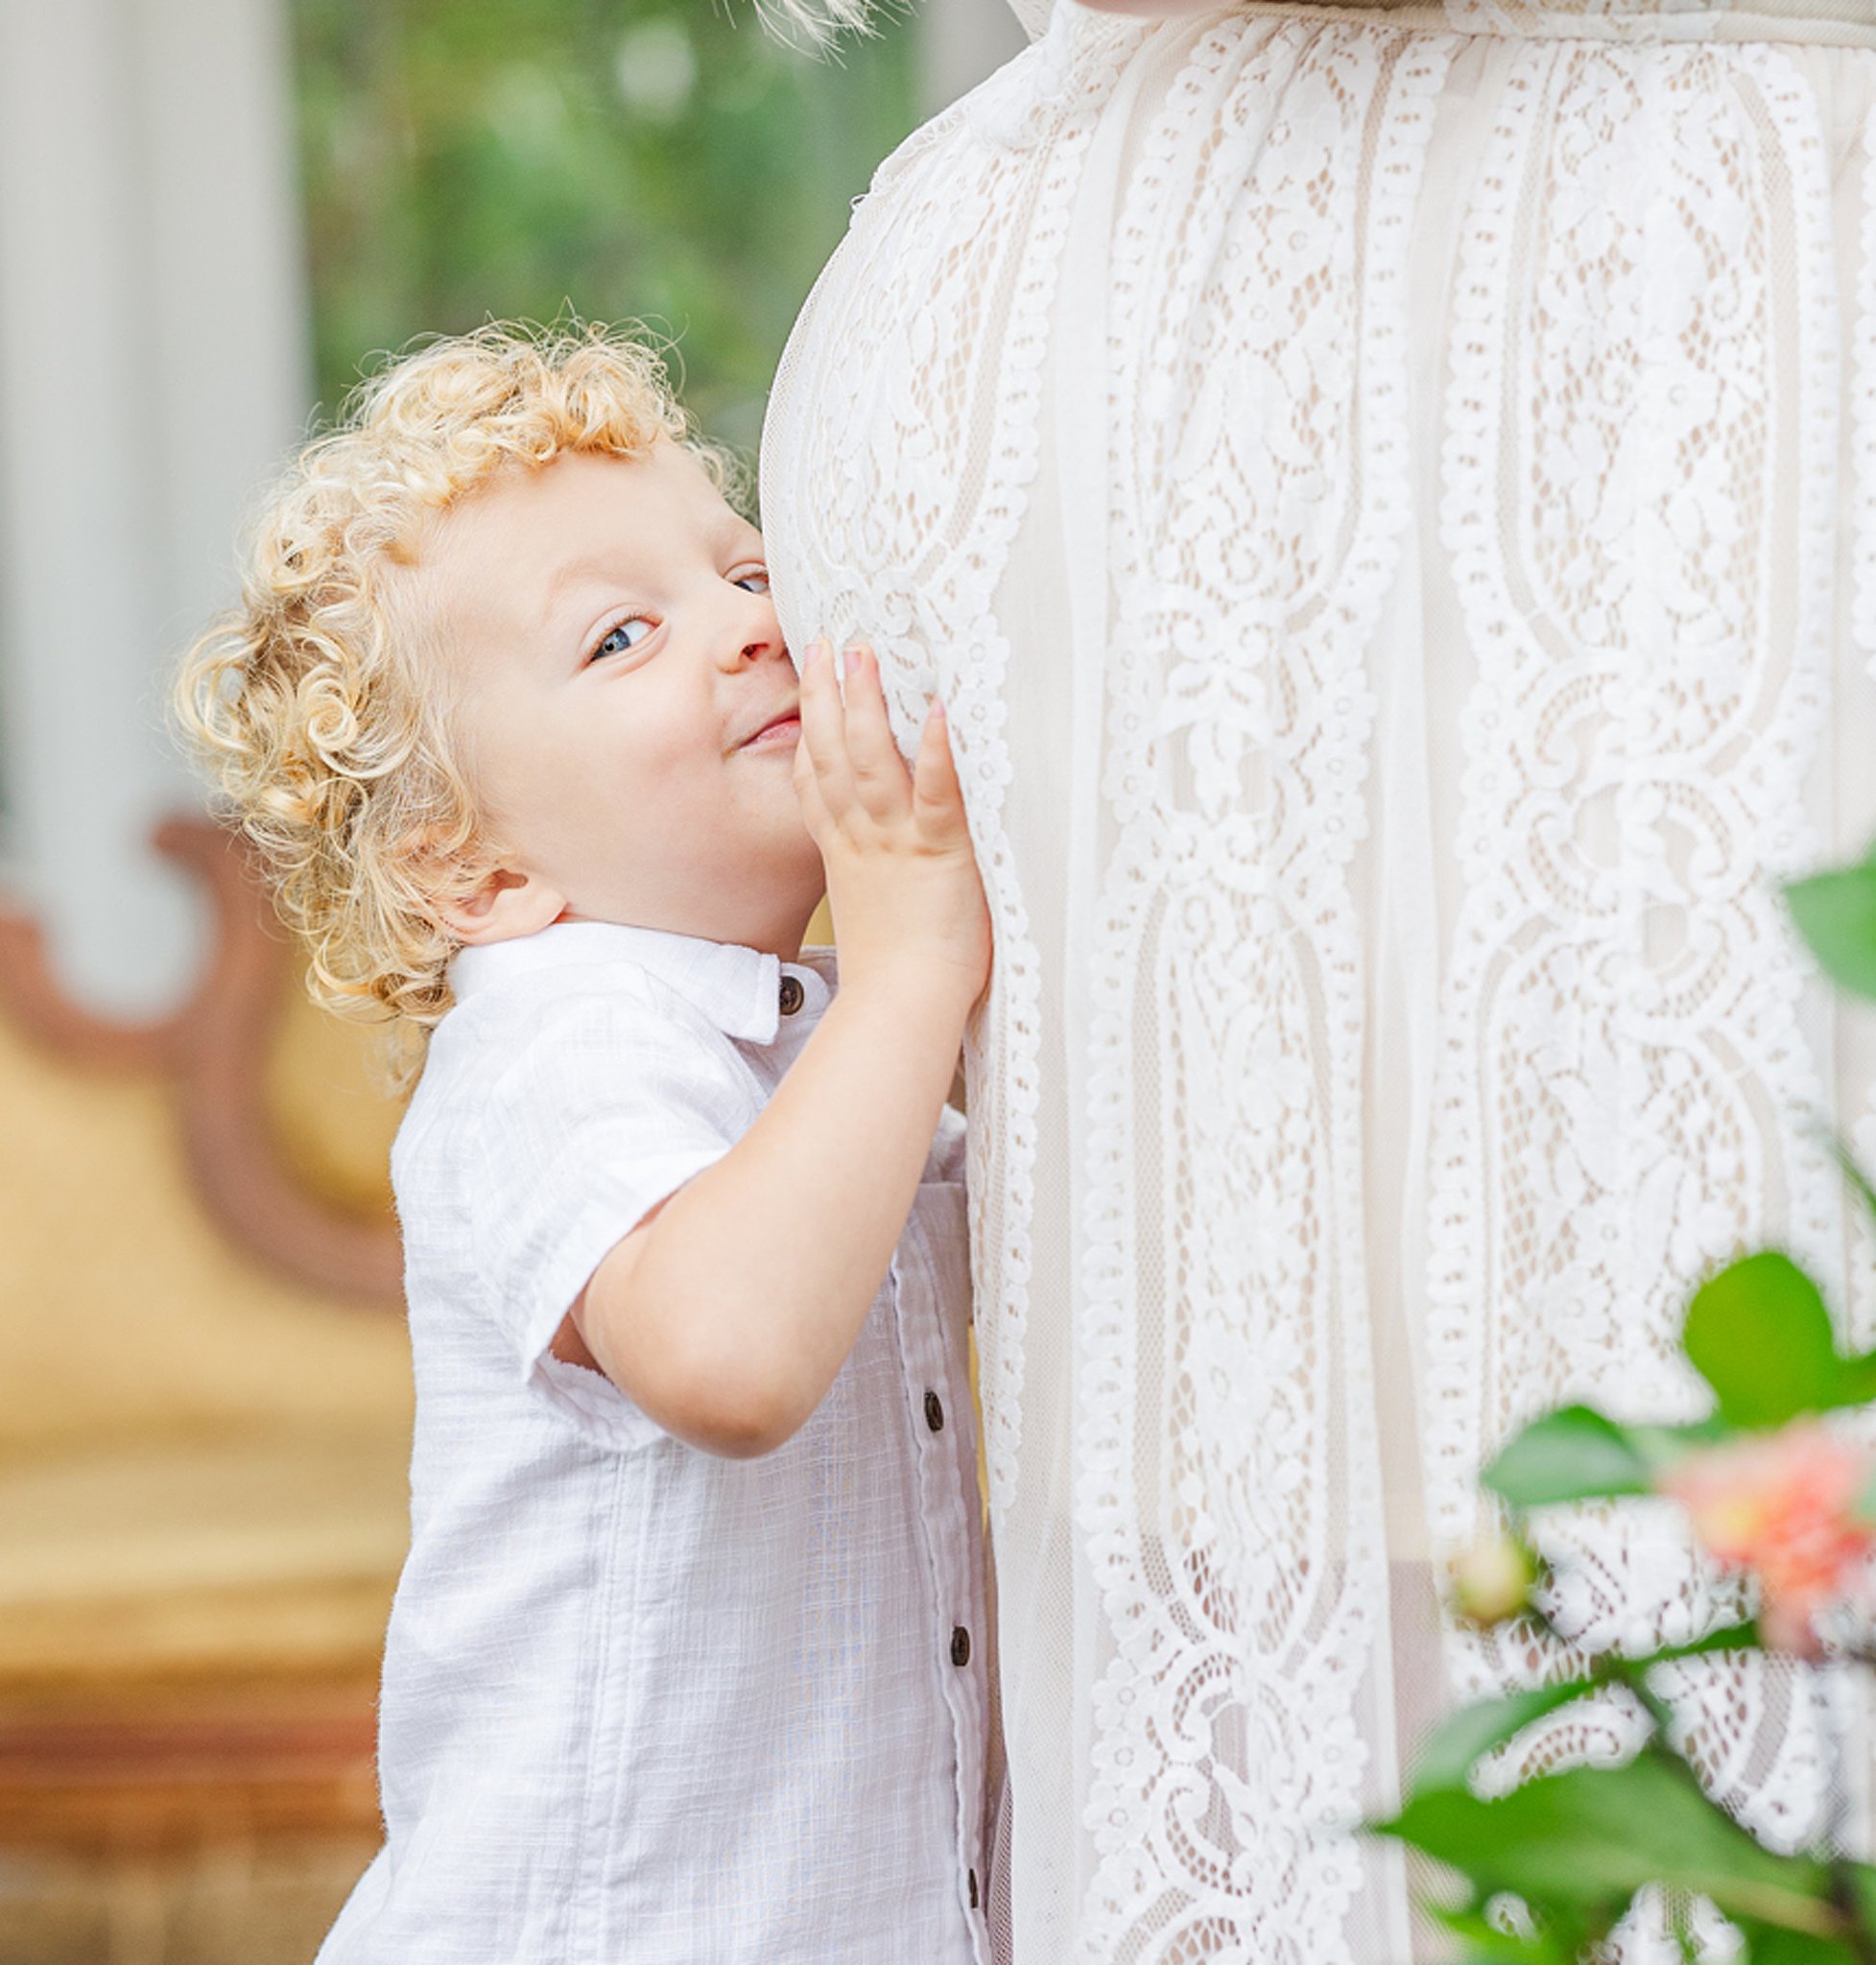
{"type": "Point", "coordinates": [1391, 508]}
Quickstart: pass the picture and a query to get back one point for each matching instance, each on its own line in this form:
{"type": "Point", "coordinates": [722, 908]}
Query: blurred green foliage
{"type": "Point", "coordinates": [655, 160]}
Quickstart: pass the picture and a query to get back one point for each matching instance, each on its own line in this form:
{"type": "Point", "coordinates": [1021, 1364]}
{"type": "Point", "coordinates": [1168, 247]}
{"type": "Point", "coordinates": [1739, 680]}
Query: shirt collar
{"type": "Point", "coordinates": [739, 989]}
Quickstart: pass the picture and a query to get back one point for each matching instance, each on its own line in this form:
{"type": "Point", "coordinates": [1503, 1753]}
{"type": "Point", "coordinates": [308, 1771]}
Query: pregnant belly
{"type": "Point", "coordinates": [1371, 501]}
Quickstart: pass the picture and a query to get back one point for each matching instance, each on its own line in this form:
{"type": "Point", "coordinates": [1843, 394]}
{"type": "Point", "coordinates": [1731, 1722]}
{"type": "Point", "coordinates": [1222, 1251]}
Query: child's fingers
{"type": "Point", "coordinates": [879, 772]}
{"type": "Point", "coordinates": [824, 728]}
{"type": "Point", "coordinates": [937, 798]}
{"type": "Point", "coordinates": [807, 791]}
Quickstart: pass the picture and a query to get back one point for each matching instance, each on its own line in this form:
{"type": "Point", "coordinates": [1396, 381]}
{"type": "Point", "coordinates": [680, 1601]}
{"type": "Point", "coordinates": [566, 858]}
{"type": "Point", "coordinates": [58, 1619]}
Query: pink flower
{"type": "Point", "coordinates": [1783, 1505]}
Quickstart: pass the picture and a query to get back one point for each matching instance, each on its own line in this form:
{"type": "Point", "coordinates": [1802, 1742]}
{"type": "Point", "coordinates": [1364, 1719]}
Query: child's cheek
{"type": "Point", "coordinates": [797, 630]}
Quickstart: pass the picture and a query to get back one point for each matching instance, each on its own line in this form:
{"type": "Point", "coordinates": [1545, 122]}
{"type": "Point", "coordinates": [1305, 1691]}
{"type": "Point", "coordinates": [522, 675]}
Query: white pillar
{"type": "Point", "coordinates": [153, 366]}
{"type": "Point", "coordinates": [962, 41]}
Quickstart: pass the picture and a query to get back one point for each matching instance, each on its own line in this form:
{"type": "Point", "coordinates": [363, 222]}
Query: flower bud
{"type": "Point", "coordinates": [1492, 1580]}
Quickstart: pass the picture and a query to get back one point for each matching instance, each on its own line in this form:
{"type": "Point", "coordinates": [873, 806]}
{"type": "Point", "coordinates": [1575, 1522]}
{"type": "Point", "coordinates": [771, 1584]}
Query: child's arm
{"type": "Point", "coordinates": [728, 1313]}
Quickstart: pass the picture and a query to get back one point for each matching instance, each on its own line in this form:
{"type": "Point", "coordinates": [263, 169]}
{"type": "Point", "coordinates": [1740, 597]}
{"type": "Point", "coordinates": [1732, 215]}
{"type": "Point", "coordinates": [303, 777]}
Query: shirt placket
{"type": "Point", "coordinates": [939, 1416]}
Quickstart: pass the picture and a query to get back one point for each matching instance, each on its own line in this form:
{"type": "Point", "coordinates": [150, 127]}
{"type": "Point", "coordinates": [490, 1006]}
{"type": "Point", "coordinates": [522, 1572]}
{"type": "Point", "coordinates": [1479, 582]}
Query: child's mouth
{"type": "Point", "coordinates": [778, 735]}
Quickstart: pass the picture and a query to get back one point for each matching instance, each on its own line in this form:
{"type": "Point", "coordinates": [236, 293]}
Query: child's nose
{"type": "Point", "coordinates": [761, 633]}
{"type": "Point", "coordinates": [761, 649]}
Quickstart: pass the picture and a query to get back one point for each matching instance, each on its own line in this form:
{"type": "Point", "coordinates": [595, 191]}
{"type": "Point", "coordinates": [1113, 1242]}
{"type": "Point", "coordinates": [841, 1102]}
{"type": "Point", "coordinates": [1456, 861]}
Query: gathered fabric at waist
{"type": "Point", "coordinates": [1821, 23]}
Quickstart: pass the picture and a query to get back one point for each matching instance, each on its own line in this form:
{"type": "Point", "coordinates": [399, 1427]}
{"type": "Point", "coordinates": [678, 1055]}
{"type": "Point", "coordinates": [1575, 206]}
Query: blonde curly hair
{"type": "Point", "coordinates": [319, 706]}
{"type": "Point", "coordinates": [818, 21]}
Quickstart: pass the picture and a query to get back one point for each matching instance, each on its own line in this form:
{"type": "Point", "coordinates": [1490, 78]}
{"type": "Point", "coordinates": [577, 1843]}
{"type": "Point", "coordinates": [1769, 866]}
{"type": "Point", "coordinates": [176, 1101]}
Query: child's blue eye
{"type": "Point", "coordinates": [627, 634]}
{"type": "Point", "coordinates": [757, 582]}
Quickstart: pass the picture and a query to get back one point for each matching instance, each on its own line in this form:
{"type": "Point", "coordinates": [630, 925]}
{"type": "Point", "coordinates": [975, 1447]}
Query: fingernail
{"type": "Point", "coordinates": [814, 652]}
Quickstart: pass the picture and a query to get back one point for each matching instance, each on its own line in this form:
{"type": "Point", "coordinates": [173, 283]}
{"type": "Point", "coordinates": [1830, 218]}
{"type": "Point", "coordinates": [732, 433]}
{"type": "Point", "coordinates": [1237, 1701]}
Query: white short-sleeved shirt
{"type": "Point", "coordinates": [643, 1706]}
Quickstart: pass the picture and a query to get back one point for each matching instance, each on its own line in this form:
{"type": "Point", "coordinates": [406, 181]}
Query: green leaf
{"type": "Point", "coordinates": [1484, 1944]}
{"type": "Point", "coordinates": [1661, 1446]}
{"type": "Point", "coordinates": [1859, 1881]}
{"type": "Point", "coordinates": [1835, 913]}
{"type": "Point", "coordinates": [1729, 1637]}
{"type": "Point", "coordinates": [1760, 1336]}
{"type": "Point", "coordinates": [1448, 1757]}
{"type": "Point", "coordinates": [1770, 1944]}
{"type": "Point", "coordinates": [1591, 1837]}
{"type": "Point", "coordinates": [1571, 1454]}
{"type": "Point", "coordinates": [1847, 1162]}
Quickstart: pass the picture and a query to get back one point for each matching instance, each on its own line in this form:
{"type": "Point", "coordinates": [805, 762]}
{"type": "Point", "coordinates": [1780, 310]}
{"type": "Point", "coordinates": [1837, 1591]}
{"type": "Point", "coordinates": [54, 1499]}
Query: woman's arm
{"type": "Point", "coordinates": [1154, 9]}
{"type": "Point", "coordinates": [727, 1317]}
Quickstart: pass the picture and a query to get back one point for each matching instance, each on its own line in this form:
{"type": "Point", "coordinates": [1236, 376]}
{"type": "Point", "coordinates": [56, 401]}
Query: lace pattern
{"type": "Point", "coordinates": [1238, 1544]}
{"type": "Point", "coordinates": [1301, 451]}
{"type": "Point", "coordinates": [1637, 741]}
{"type": "Point", "coordinates": [891, 518]}
{"type": "Point", "coordinates": [1850, 23]}
{"type": "Point", "coordinates": [1864, 410]}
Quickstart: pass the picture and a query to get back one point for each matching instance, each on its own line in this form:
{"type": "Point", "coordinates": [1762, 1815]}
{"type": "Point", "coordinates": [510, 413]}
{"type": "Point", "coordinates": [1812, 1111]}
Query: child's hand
{"type": "Point", "coordinates": [728, 1315]}
{"type": "Point", "coordinates": [902, 879]}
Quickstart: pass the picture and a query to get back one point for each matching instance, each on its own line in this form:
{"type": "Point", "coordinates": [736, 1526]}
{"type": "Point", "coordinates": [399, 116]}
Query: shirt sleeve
{"type": "Point", "coordinates": [949, 1147]}
{"type": "Point", "coordinates": [608, 1111]}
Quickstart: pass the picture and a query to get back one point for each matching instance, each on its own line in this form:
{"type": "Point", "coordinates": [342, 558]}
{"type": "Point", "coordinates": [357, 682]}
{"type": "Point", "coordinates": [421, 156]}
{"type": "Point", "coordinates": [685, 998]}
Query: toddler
{"type": "Point", "coordinates": [688, 1660]}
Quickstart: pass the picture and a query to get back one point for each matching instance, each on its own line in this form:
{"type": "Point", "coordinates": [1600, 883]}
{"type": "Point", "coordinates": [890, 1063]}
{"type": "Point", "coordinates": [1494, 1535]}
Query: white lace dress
{"type": "Point", "coordinates": [1388, 495]}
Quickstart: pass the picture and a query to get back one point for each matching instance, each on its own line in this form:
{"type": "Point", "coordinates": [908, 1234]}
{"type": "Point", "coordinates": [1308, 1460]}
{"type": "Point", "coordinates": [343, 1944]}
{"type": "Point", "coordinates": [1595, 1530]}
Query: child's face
{"type": "Point", "coordinates": [624, 703]}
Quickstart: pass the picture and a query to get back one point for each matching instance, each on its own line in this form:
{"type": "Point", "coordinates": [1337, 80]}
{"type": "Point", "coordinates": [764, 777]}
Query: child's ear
{"type": "Point", "coordinates": [503, 904]}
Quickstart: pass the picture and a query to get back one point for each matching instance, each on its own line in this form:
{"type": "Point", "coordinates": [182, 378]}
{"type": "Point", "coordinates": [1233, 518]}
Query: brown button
{"type": "Point", "coordinates": [973, 1889]}
{"type": "Point", "coordinates": [791, 995]}
{"type": "Point", "coordinates": [961, 1645]}
{"type": "Point", "coordinates": [935, 1411]}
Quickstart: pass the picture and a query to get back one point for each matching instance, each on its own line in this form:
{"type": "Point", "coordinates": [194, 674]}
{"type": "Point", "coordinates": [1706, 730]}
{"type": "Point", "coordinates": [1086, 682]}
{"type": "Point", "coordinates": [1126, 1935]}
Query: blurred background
{"type": "Point", "coordinates": [213, 215]}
